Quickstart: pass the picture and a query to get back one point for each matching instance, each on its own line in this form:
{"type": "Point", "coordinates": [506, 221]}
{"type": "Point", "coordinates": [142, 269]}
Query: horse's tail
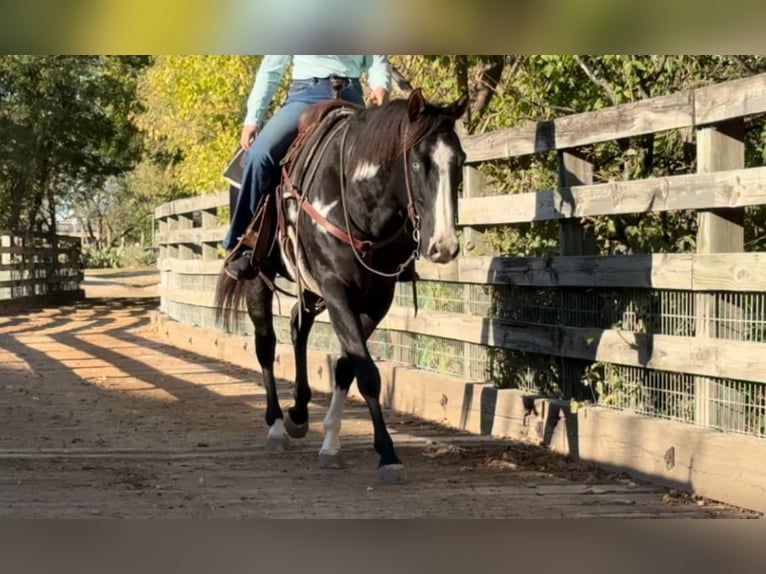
{"type": "Point", "coordinates": [228, 300]}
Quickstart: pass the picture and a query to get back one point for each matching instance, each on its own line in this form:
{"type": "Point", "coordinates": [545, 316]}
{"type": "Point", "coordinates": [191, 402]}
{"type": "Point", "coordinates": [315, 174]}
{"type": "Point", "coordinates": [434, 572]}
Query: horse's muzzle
{"type": "Point", "coordinates": [443, 250]}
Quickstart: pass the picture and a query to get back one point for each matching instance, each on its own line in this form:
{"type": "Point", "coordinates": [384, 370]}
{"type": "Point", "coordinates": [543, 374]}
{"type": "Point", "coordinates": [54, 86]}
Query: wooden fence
{"type": "Point", "coordinates": [685, 333]}
{"type": "Point", "coordinates": [37, 267]}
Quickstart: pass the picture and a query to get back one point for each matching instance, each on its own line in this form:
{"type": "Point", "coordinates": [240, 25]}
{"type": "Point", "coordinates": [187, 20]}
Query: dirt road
{"type": "Point", "coordinates": [100, 419]}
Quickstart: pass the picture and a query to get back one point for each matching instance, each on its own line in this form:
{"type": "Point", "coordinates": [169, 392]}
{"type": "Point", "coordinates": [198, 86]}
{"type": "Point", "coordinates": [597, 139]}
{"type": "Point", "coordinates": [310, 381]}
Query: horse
{"type": "Point", "coordinates": [381, 192]}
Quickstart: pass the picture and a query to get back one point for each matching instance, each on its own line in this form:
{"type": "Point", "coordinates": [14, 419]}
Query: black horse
{"type": "Point", "coordinates": [379, 191]}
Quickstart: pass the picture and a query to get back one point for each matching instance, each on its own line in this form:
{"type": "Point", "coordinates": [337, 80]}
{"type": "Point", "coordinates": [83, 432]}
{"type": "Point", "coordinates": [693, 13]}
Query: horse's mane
{"type": "Point", "coordinates": [380, 134]}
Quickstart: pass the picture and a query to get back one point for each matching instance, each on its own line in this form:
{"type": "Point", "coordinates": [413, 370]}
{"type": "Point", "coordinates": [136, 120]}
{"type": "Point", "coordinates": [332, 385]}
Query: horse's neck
{"type": "Point", "coordinates": [376, 206]}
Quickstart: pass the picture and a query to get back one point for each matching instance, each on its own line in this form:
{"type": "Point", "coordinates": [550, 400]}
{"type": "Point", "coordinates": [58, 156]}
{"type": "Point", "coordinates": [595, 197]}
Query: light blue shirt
{"type": "Point", "coordinates": [272, 69]}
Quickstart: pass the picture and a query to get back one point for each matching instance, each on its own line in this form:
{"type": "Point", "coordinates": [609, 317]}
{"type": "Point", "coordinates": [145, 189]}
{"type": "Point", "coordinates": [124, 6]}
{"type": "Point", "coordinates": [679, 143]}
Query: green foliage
{"type": "Point", "coordinates": [65, 127]}
{"type": "Point", "coordinates": [192, 118]}
{"type": "Point", "coordinates": [101, 258]}
{"type": "Point", "coordinates": [528, 371]}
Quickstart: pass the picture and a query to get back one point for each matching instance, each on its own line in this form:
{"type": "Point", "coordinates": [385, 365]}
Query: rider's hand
{"type": "Point", "coordinates": [249, 133]}
{"type": "Point", "coordinates": [378, 97]}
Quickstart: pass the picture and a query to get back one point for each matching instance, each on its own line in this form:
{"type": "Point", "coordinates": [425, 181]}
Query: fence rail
{"type": "Point", "coordinates": [39, 266]}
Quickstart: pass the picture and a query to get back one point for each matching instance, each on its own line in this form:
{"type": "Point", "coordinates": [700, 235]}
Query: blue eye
{"type": "Point", "coordinates": [416, 165]}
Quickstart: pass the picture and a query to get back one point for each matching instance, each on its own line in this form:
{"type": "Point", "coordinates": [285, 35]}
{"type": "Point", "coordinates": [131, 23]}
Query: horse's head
{"type": "Point", "coordinates": [434, 170]}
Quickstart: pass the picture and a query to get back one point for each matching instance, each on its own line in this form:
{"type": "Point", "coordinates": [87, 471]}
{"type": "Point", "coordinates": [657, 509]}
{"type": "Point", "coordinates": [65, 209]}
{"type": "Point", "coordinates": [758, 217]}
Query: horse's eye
{"type": "Point", "coordinates": [416, 165]}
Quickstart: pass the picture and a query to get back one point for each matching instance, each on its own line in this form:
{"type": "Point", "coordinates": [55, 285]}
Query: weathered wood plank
{"type": "Point", "coordinates": [662, 271]}
{"type": "Point", "coordinates": [632, 119]}
{"type": "Point", "coordinates": [196, 235]}
{"type": "Point", "coordinates": [45, 238]}
{"type": "Point", "coordinates": [190, 266]}
{"type": "Point", "coordinates": [61, 269]}
{"type": "Point", "coordinates": [191, 204]}
{"type": "Point", "coordinates": [688, 272]}
{"type": "Point", "coordinates": [31, 250]}
{"type": "Point", "coordinates": [721, 466]}
{"type": "Point", "coordinates": [737, 188]}
{"type": "Point", "coordinates": [50, 280]}
{"type": "Point", "coordinates": [683, 109]}
{"type": "Point", "coordinates": [710, 357]}
{"type": "Point", "coordinates": [731, 99]}
{"type": "Point", "coordinates": [685, 271]}
{"type": "Point", "coordinates": [187, 297]}
{"type": "Point", "coordinates": [729, 272]}
{"type": "Point", "coordinates": [449, 272]}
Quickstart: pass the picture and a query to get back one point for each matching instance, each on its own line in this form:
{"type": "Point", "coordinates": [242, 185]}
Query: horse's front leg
{"type": "Point", "coordinates": [297, 419]}
{"type": "Point", "coordinates": [353, 333]}
{"type": "Point", "coordinates": [259, 301]}
{"type": "Point", "coordinates": [330, 455]}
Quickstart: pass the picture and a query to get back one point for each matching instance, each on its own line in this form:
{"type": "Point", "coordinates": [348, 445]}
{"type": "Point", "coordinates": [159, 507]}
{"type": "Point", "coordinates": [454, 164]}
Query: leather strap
{"type": "Point", "coordinates": [363, 245]}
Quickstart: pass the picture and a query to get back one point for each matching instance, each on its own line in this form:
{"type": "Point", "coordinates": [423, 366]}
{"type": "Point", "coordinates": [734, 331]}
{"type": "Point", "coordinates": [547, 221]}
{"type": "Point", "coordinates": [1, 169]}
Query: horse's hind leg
{"type": "Point", "coordinates": [259, 300]}
{"type": "Point", "coordinates": [297, 419]}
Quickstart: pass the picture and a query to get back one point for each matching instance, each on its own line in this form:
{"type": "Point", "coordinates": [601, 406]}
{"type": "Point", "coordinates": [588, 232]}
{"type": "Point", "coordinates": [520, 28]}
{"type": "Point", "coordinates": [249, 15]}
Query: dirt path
{"type": "Point", "coordinates": [98, 418]}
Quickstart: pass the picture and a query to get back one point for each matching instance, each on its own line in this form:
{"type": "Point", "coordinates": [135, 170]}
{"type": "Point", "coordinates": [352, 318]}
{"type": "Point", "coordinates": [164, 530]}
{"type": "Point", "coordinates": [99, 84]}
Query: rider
{"type": "Point", "coordinates": [312, 82]}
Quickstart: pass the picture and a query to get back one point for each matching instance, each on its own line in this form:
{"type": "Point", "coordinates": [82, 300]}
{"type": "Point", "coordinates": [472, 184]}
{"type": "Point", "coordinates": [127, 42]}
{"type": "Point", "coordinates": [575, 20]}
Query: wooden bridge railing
{"type": "Point", "coordinates": [39, 267]}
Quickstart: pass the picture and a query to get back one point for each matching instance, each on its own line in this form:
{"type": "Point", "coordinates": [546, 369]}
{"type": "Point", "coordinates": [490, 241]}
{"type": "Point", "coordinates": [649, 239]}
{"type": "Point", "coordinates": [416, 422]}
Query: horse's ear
{"type": "Point", "coordinates": [416, 104]}
{"type": "Point", "coordinates": [458, 108]}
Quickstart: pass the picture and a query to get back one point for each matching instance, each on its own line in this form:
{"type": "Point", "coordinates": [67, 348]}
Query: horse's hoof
{"type": "Point", "coordinates": [392, 474]}
{"type": "Point", "coordinates": [295, 430]}
{"type": "Point", "coordinates": [277, 443]}
{"type": "Point", "coordinates": [331, 460]}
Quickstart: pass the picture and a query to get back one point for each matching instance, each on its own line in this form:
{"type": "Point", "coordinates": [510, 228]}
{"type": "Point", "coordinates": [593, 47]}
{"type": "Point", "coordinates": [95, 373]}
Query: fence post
{"type": "Point", "coordinates": [719, 148]}
{"type": "Point", "coordinates": [5, 265]}
{"type": "Point", "coordinates": [574, 239]}
{"type": "Point", "coordinates": [185, 249]}
{"type": "Point", "coordinates": [474, 183]}
{"type": "Point", "coordinates": [161, 229]}
{"type": "Point", "coordinates": [209, 221]}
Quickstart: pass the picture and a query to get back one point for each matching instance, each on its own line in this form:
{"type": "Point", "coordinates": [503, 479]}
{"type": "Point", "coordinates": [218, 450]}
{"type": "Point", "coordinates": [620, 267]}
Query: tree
{"type": "Point", "coordinates": [192, 115]}
{"type": "Point", "coordinates": [65, 122]}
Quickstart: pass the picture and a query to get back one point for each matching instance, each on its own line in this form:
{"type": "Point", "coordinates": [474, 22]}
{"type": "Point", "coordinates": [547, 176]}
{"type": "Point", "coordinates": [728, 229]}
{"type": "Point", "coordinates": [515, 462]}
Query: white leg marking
{"type": "Point", "coordinates": [365, 171]}
{"type": "Point", "coordinates": [332, 419]}
{"type": "Point", "coordinates": [277, 430]}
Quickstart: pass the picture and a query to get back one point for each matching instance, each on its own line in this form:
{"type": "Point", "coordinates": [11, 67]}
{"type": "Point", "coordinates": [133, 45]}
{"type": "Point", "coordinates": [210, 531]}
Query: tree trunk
{"type": "Point", "coordinates": [490, 72]}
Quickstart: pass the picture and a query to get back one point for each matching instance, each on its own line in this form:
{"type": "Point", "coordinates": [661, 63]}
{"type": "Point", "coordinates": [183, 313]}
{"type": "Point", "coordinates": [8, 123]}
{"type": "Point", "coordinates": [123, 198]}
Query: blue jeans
{"type": "Point", "coordinates": [262, 172]}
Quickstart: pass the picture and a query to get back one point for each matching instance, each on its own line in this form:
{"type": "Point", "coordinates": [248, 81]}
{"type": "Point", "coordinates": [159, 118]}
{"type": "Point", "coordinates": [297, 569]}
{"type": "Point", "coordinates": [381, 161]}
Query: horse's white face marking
{"type": "Point", "coordinates": [365, 170]}
{"type": "Point", "coordinates": [444, 239]}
